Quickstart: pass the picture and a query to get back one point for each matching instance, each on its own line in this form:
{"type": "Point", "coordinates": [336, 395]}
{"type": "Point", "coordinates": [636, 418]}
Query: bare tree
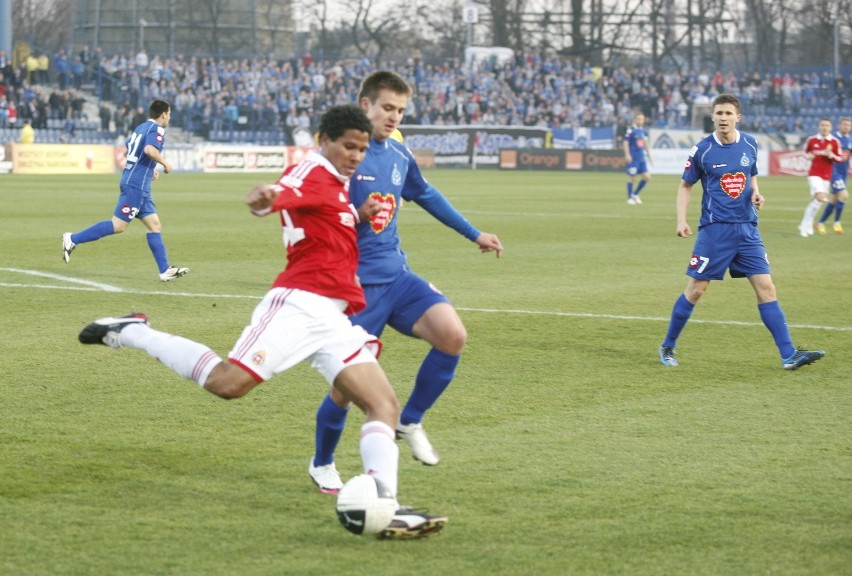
{"type": "Point", "coordinates": [445, 34]}
{"type": "Point", "coordinates": [43, 24]}
{"type": "Point", "coordinates": [373, 32]}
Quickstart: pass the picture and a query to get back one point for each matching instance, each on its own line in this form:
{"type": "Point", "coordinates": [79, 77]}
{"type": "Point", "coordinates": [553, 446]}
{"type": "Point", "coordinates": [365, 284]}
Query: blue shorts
{"type": "Point", "coordinates": [838, 183]}
{"type": "Point", "coordinates": [399, 304]}
{"type": "Point", "coordinates": [722, 246]}
{"type": "Point", "coordinates": [638, 167]}
{"type": "Point", "coordinates": [134, 203]}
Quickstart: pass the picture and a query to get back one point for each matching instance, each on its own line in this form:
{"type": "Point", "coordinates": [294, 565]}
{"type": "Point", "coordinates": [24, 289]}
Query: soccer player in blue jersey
{"type": "Point", "coordinates": [840, 171]}
{"type": "Point", "coordinates": [638, 156]}
{"type": "Point", "coordinates": [144, 152]}
{"type": "Point", "coordinates": [728, 239]}
{"type": "Point", "coordinates": [395, 295]}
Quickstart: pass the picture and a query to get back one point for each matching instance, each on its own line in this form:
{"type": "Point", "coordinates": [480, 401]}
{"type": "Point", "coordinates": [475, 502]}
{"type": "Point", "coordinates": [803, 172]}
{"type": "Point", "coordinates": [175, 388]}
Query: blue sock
{"type": "Point", "coordinates": [681, 312]}
{"type": "Point", "coordinates": [773, 318]}
{"type": "Point", "coordinates": [629, 189]}
{"type": "Point", "coordinates": [838, 210]}
{"type": "Point", "coordinates": [434, 376]}
{"type": "Point", "coordinates": [331, 419]}
{"type": "Point", "coordinates": [158, 249]}
{"type": "Point", "coordinates": [640, 186]}
{"type": "Point", "coordinates": [829, 208]}
{"type": "Point", "coordinates": [94, 232]}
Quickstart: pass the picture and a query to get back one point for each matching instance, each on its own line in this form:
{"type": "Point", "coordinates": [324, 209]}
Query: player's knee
{"type": "Point", "coordinates": [225, 386]}
{"type": "Point", "coordinates": [338, 397]}
{"type": "Point", "coordinates": [694, 293]}
{"type": "Point", "coordinates": [452, 340]}
{"type": "Point", "coordinates": [456, 341]}
{"type": "Point", "coordinates": [386, 408]}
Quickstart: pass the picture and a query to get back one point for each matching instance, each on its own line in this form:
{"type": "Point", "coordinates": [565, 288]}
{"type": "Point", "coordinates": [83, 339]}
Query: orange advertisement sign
{"type": "Point", "coordinates": [62, 159]}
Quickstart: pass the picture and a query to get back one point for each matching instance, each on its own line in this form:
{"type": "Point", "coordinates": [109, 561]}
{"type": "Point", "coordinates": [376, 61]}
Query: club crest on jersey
{"type": "Point", "coordinates": [259, 357]}
{"type": "Point", "coordinates": [396, 177]}
{"type": "Point", "coordinates": [381, 220]}
{"type": "Point", "coordinates": [733, 184]}
{"type": "Point", "coordinates": [744, 161]}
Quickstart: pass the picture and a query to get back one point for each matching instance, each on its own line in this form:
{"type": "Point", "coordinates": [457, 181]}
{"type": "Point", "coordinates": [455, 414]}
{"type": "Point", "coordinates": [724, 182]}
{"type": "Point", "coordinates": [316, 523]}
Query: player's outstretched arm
{"type": "Point", "coordinates": [489, 243]}
{"type": "Point", "coordinates": [261, 198]}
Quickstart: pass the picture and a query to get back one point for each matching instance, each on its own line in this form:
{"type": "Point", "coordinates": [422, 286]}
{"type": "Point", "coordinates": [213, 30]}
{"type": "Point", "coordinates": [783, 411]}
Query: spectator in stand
{"type": "Point", "coordinates": [12, 115]}
{"type": "Point", "coordinates": [105, 116]}
{"type": "Point", "coordinates": [43, 69]}
{"type": "Point", "coordinates": [63, 68]}
{"type": "Point", "coordinates": [32, 68]}
{"type": "Point", "coordinates": [121, 119]}
{"type": "Point", "coordinates": [69, 130]}
{"type": "Point", "coordinates": [27, 133]}
{"type": "Point", "coordinates": [6, 68]}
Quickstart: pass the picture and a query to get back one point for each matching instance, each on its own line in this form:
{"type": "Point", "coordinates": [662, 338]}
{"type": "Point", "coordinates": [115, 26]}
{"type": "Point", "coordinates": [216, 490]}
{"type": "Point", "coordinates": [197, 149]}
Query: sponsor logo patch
{"type": "Point", "coordinates": [381, 220]}
{"type": "Point", "coordinates": [733, 184]}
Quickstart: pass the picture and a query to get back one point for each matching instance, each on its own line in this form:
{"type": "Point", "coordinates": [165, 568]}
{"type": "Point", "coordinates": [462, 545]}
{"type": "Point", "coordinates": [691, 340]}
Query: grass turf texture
{"type": "Point", "coordinates": [567, 448]}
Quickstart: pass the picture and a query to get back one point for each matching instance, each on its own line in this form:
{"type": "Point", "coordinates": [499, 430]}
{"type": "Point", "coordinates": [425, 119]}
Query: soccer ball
{"type": "Point", "coordinates": [365, 505]}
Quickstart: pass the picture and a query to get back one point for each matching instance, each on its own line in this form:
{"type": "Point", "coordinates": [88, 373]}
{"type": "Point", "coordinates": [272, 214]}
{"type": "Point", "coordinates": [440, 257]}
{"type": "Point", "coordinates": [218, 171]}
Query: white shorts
{"type": "Point", "coordinates": [817, 185]}
{"type": "Point", "coordinates": [290, 325]}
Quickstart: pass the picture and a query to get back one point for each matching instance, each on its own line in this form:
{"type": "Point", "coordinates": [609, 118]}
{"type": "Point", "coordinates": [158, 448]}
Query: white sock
{"type": "Point", "coordinates": [189, 359]}
{"type": "Point", "coordinates": [810, 212]}
{"type": "Point", "coordinates": [380, 453]}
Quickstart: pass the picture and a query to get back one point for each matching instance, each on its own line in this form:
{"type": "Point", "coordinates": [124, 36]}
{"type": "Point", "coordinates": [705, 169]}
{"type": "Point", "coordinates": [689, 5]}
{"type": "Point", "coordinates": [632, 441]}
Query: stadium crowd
{"type": "Point", "coordinates": [222, 98]}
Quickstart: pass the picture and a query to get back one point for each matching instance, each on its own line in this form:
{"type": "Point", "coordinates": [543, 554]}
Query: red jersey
{"type": "Point", "coordinates": [821, 165]}
{"type": "Point", "coordinates": [319, 232]}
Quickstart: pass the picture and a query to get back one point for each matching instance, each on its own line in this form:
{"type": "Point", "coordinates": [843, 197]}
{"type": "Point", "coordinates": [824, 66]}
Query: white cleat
{"type": "Point", "coordinates": [421, 449]}
{"type": "Point", "coordinates": [325, 477]}
{"type": "Point", "coordinates": [172, 273]}
{"type": "Point", "coordinates": [67, 247]}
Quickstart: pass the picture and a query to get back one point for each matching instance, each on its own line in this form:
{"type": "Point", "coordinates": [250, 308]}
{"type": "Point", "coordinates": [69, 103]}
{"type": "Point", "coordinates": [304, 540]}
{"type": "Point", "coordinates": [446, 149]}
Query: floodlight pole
{"type": "Point", "coordinates": [836, 39]}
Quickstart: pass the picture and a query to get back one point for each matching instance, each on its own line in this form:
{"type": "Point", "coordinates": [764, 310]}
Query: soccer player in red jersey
{"type": "Point", "coordinates": [304, 315]}
{"type": "Point", "coordinates": [823, 150]}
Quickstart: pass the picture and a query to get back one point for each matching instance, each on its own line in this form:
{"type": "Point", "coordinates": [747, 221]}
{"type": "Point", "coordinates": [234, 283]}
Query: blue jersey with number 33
{"type": "Point", "coordinates": [139, 170]}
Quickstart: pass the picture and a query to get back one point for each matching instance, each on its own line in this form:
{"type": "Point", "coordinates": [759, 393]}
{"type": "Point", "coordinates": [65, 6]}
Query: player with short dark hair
{"type": "Point", "coordinates": [395, 295]}
{"type": "Point", "coordinates": [143, 151]}
{"type": "Point", "coordinates": [304, 315]}
{"type": "Point", "coordinates": [728, 238]}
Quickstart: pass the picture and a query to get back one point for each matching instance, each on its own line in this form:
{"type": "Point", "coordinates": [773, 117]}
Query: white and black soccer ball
{"type": "Point", "coordinates": [365, 506]}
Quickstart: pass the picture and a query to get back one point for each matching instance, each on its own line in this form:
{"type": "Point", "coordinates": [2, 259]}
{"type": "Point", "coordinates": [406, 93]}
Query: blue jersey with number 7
{"type": "Point", "coordinates": [139, 170]}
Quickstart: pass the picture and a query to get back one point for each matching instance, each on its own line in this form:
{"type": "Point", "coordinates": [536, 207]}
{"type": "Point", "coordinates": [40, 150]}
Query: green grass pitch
{"type": "Point", "coordinates": [567, 448]}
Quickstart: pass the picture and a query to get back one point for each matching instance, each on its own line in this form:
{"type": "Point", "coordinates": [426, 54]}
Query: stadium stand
{"type": "Point", "coordinates": [263, 100]}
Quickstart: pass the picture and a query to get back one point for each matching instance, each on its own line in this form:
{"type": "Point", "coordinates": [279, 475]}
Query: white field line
{"type": "Point", "coordinates": [88, 286]}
